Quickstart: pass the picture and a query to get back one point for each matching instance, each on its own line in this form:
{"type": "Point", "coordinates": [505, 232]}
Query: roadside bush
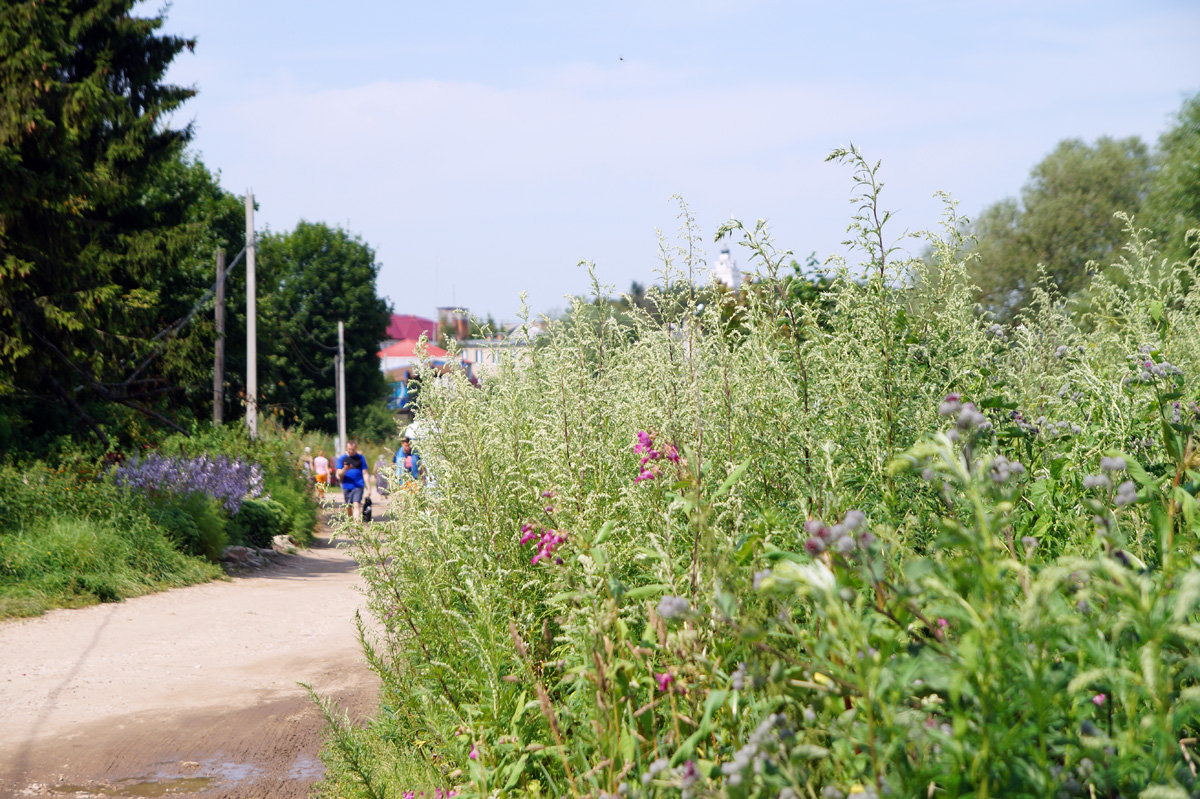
{"type": "Point", "coordinates": [196, 522]}
{"type": "Point", "coordinates": [258, 522]}
{"type": "Point", "coordinates": [863, 546]}
{"type": "Point", "coordinates": [277, 453]}
{"type": "Point", "coordinates": [296, 504]}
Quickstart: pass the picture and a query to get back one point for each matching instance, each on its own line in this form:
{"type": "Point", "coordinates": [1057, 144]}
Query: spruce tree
{"type": "Point", "coordinates": [85, 127]}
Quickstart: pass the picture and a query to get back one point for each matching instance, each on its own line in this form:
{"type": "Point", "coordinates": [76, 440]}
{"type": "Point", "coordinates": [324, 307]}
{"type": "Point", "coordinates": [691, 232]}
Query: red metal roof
{"type": "Point", "coordinates": [408, 349]}
{"type": "Point", "coordinates": [408, 326]}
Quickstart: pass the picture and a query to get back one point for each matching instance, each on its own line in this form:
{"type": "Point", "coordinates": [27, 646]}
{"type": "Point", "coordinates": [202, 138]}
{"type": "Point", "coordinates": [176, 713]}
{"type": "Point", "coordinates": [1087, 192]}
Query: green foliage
{"type": "Point", "coordinates": [195, 522]}
{"type": "Point", "coordinates": [687, 614]}
{"type": "Point", "coordinates": [84, 241]}
{"type": "Point", "coordinates": [70, 539]}
{"type": "Point", "coordinates": [1173, 204]}
{"type": "Point", "coordinates": [375, 422]}
{"type": "Point", "coordinates": [319, 276]}
{"type": "Point", "coordinates": [278, 450]}
{"type": "Point", "coordinates": [258, 521]}
{"type": "Point", "coordinates": [1064, 221]}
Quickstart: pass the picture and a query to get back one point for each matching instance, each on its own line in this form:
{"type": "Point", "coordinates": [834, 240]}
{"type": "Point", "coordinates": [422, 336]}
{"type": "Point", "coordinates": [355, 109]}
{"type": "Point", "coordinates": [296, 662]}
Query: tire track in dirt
{"type": "Point", "coordinates": [190, 692]}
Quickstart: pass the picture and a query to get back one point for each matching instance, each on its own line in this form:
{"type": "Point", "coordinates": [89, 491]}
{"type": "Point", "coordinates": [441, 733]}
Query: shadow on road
{"type": "Point", "coordinates": [20, 765]}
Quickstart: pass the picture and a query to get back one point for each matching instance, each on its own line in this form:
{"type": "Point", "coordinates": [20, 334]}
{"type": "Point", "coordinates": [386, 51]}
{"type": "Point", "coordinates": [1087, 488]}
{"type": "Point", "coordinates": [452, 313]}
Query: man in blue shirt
{"type": "Point", "coordinates": [353, 473]}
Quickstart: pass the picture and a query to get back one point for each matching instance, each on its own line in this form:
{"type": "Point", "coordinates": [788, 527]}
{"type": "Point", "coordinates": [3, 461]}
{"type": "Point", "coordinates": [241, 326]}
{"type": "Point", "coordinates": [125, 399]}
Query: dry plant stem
{"type": "Point", "coordinates": [544, 702]}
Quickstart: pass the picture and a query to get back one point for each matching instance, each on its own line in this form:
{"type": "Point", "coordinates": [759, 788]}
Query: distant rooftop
{"type": "Point", "coordinates": [409, 326]}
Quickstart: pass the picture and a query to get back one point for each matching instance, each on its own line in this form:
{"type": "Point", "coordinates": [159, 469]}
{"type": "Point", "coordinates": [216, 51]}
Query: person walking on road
{"type": "Point", "coordinates": [321, 469]}
{"type": "Point", "coordinates": [408, 462]}
{"type": "Point", "coordinates": [353, 474]}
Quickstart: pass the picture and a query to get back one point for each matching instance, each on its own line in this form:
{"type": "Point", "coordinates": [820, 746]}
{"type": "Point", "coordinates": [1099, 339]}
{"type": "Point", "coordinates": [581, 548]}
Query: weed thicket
{"type": "Point", "coordinates": [870, 545]}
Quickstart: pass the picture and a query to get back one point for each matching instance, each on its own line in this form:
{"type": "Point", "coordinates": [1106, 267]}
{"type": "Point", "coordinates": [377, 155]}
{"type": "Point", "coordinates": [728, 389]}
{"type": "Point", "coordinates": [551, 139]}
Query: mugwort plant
{"type": "Point", "coordinates": [854, 540]}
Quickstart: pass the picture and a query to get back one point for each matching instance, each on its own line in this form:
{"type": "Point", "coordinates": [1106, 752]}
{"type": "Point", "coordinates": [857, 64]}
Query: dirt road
{"type": "Point", "coordinates": [190, 692]}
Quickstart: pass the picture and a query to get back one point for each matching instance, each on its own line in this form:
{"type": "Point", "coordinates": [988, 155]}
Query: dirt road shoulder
{"type": "Point", "coordinates": [193, 689]}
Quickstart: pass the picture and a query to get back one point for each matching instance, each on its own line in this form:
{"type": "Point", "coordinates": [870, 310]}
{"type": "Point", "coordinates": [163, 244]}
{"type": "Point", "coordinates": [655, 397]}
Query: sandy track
{"type": "Point", "coordinates": [189, 692]}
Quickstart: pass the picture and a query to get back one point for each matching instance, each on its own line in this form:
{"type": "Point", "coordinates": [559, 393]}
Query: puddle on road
{"type": "Point", "coordinates": [175, 787]}
{"type": "Point", "coordinates": [306, 768]}
{"type": "Point", "coordinates": [161, 784]}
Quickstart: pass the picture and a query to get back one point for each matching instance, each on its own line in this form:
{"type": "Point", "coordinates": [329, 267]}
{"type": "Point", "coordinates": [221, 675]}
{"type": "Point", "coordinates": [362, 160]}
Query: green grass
{"type": "Point", "coordinates": [66, 562]}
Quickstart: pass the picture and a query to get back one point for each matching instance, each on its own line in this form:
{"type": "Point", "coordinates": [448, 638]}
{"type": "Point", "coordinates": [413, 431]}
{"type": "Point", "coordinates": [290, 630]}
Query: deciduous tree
{"type": "Point", "coordinates": [1063, 221]}
{"type": "Point", "coordinates": [1173, 204]}
{"type": "Point", "coordinates": [321, 275]}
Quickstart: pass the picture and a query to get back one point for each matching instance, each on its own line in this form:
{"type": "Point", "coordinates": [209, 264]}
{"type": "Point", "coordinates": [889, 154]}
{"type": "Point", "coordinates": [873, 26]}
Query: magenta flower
{"type": "Point", "coordinates": [548, 541]}
{"type": "Point", "coordinates": [1098, 700]}
{"type": "Point", "coordinates": [645, 442]}
{"type": "Point", "coordinates": [672, 453]}
{"type": "Point", "coordinates": [664, 680]}
{"type": "Point", "coordinates": [645, 475]}
{"type": "Point", "coordinates": [474, 755]}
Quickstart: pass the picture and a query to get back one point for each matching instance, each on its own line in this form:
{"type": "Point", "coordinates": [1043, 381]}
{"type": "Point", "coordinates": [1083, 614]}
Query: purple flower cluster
{"type": "Point", "coordinates": [840, 537]}
{"type": "Point", "coordinates": [1044, 425]}
{"type": "Point", "coordinates": [652, 457]}
{"type": "Point", "coordinates": [228, 481]}
{"type": "Point", "coordinates": [1146, 369]}
{"type": "Point", "coordinates": [545, 539]}
{"type": "Point", "coordinates": [968, 418]}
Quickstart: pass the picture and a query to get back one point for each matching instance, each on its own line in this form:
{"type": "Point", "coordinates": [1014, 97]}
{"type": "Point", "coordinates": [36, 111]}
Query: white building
{"type": "Point", "coordinates": [725, 269]}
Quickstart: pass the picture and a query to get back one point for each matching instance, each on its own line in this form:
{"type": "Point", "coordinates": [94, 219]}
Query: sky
{"type": "Point", "coordinates": [484, 149]}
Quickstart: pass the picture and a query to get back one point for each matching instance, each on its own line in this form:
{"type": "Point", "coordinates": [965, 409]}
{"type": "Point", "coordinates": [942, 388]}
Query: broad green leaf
{"type": "Point", "coordinates": [644, 591]}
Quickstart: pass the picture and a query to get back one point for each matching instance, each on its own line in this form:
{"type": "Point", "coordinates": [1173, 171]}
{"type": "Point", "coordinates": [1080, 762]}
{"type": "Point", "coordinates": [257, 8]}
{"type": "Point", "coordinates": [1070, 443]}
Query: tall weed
{"type": "Point", "coordinates": [621, 583]}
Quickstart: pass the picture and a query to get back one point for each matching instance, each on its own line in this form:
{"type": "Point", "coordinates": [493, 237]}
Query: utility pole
{"type": "Point", "coordinates": [219, 365]}
{"type": "Point", "coordinates": [251, 324]}
{"type": "Point", "coordinates": [341, 381]}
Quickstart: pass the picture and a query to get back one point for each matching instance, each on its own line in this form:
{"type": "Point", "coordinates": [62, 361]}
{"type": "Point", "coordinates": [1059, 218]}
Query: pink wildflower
{"type": "Point", "coordinates": [645, 442]}
{"type": "Point", "coordinates": [645, 475]}
{"type": "Point", "coordinates": [664, 680]}
{"type": "Point", "coordinates": [942, 624]}
{"type": "Point", "coordinates": [672, 453]}
{"type": "Point", "coordinates": [474, 755]}
{"type": "Point", "coordinates": [1098, 700]}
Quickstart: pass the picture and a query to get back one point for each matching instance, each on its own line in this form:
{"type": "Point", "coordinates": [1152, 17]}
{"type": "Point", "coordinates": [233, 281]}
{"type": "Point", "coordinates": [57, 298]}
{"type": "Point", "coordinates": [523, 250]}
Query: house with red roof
{"type": "Point", "coordinates": [409, 326]}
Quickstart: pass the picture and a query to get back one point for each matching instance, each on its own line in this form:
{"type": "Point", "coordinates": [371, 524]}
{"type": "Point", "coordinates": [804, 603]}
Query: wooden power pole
{"type": "Point", "coordinates": [219, 365]}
